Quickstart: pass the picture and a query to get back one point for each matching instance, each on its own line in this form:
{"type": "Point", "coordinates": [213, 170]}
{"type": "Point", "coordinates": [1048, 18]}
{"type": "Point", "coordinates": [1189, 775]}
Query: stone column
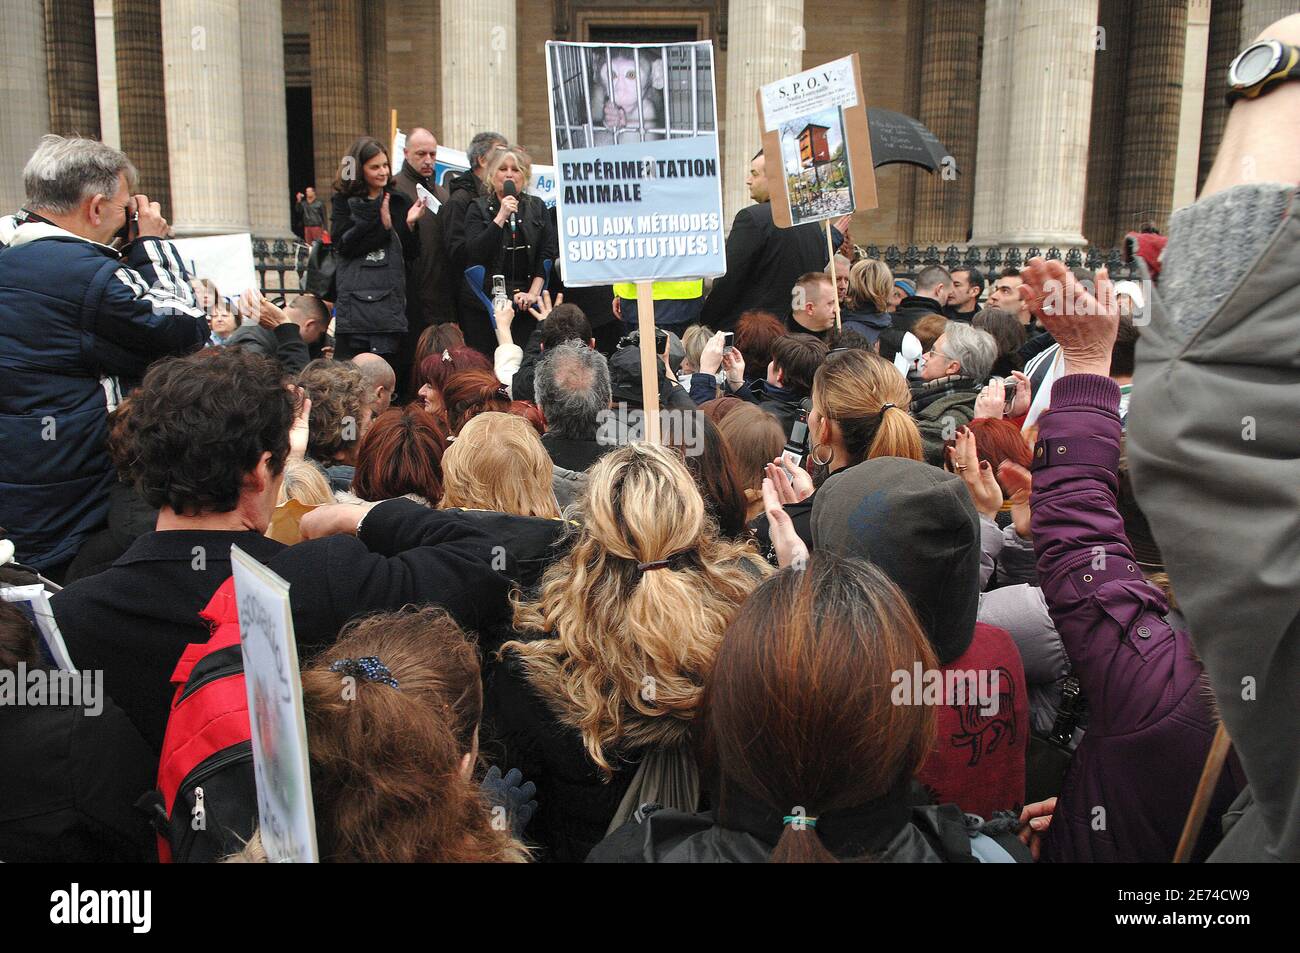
{"type": "Point", "coordinates": [137, 36]}
{"type": "Point", "coordinates": [1049, 103]}
{"type": "Point", "coordinates": [993, 141]}
{"type": "Point", "coordinates": [911, 61]}
{"type": "Point", "coordinates": [765, 41]}
{"type": "Point", "coordinates": [106, 57]}
{"type": "Point", "coordinates": [949, 106]}
{"type": "Point", "coordinates": [374, 40]}
{"type": "Point", "coordinates": [1145, 189]}
{"type": "Point", "coordinates": [479, 91]}
{"type": "Point", "coordinates": [338, 87]}
{"type": "Point", "coordinates": [1195, 52]}
{"type": "Point", "coordinates": [26, 113]}
{"type": "Point", "coordinates": [203, 79]}
{"type": "Point", "coordinates": [1106, 143]}
{"type": "Point", "coordinates": [71, 67]}
{"type": "Point", "coordinates": [266, 137]}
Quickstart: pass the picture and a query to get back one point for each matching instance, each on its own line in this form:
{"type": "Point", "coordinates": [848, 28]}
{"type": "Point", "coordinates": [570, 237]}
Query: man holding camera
{"type": "Point", "coordinates": [77, 316]}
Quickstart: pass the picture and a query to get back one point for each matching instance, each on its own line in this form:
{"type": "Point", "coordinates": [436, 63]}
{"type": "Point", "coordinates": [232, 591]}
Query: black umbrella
{"type": "Point", "coordinates": [899, 138]}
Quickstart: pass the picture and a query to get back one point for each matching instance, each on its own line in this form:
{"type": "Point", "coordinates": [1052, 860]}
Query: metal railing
{"type": "Point", "coordinates": [281, 265]}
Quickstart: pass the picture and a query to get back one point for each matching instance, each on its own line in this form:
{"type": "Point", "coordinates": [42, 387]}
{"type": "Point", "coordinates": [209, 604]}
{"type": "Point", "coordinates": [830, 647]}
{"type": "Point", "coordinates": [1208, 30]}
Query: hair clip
{"type": "Point", "coordinates": [657, 564]}
{"type": "Point", "coordinates": [503, 392]}
{"type": "Point", "coordinates": [446, 356]}
{"type": "Point", "coordinates": [368, 668]}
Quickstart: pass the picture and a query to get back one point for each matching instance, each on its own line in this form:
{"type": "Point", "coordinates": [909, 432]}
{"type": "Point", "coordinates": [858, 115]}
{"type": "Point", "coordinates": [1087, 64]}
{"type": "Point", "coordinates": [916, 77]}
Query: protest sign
{"type": "Point", "coordinates": [34, 602]}
{"type": "Point", "coordinates": [286, 814]}
{"type": "Point", "coordinates": [817, 144]}
{"type": "Point", "coordinates": [226, 260]}
{"type": "Point", "coordinates": [638, 189]}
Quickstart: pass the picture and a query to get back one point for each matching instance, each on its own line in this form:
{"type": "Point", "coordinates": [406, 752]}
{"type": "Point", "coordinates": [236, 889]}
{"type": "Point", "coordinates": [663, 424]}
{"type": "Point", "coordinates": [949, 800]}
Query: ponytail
{"type": "Point", "coordinates": [801, 845]}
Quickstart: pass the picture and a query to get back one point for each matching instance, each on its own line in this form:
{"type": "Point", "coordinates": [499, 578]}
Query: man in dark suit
{"type": "Point", "coordinates": [764, 261]}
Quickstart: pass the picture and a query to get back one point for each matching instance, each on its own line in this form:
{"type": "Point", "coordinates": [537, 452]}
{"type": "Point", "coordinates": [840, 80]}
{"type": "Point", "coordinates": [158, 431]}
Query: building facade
{"type": "Point", "coordinates": [1069, 121]}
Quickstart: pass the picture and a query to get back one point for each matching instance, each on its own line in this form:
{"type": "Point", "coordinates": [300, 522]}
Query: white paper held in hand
{"type": "Point", "coordinates": [430, 202]}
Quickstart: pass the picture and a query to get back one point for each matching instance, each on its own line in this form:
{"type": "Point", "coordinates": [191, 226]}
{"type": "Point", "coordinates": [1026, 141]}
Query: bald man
{"type": "Point", "coordinates": [380, 380]}
{"type": "Point", "coordinates": [430, 288]}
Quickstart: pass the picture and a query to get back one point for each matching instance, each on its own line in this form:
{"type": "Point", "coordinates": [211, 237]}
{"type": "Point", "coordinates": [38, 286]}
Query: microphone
{"type": "Point", "coordinates": [511, 189]}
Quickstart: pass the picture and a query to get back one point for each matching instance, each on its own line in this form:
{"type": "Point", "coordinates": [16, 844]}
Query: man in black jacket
{"type": "Point", "coordinates": [933, 288]}
{"type": "Point", "coordinates": [763, 261]}
{"type": "Point", "coordinates": [430, 292]}
{"type": "Point", "coordinates": [210, 436]}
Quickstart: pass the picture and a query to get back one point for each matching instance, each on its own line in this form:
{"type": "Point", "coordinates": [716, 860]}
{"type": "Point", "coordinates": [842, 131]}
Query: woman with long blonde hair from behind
{"type": "Point", "coordinates": [608, 671]}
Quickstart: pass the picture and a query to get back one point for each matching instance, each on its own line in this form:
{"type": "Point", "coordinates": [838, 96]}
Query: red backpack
{"type": "Point", "coordinates": [205, 778]}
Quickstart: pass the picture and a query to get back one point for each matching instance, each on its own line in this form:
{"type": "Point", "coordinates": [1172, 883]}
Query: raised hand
{"type": "Point", "coordinates": [978, 476]}
{"type": "Point", "coordinates": [385, 216]}
{"type": "Point", "coordinates": [790, 549]}
{"type": "Point", "coordinates": [414, 214]}
{"type": "Point", "coordinates": [544, 305]}
{"type": "Point", "coordinates": [1019, 483]}
{"type": "Point", "coordinates": [1083, 323]}
{"type": "Point", "coordinates": [992, 399]}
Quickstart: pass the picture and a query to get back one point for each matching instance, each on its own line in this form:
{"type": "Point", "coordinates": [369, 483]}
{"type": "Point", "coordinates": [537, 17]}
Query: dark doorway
{"type": "Point", "coordinates": [679, 33]}
{"type": "Point", "coordinates": [302, 167]}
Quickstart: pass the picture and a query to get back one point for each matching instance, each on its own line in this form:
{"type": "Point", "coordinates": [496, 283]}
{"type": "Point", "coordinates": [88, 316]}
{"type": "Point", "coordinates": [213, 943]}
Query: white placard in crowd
{"type": "Point", "coordinates": [226, 260]}
{"type": "Point", "coordinates": [34, 602]}
{"type": "Point", "coordinates": [286, 815]}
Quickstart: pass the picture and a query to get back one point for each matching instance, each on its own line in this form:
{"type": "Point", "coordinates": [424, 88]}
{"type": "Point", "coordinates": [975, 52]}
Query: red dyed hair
{"type": "Point", "coordinates": [755, 332]}
{"type": "Point", "coordinates": [530, 412]}
{"type": "Point", "coordinates": [440, 365]}
{"type": "Point", "coordinates": [401, 453]}
{"type": "Point", "coordinates": [467, 394]}
{"type": "Point", "coordinates": [997, 440]}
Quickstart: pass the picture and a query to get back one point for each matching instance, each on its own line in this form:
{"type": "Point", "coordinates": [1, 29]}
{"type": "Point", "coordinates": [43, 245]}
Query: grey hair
{"type": "Point", "coordinates": [975, 350]}
{"type": "Point", "coordinates": [572, 387]}
{"type": "Point", "coordinates": [482, 144]}
{"type": "Point", "coordinates": [63, 172]}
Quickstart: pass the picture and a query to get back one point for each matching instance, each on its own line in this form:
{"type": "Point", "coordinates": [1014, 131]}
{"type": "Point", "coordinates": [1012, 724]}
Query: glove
{"type": "Point", "coordinates": [518, 799]}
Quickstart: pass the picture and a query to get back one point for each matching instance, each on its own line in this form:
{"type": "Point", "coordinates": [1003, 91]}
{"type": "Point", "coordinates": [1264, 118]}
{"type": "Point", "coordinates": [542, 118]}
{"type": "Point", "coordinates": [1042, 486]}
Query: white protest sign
{"type": "Point", "coordinates": [34, 602]}
{"type": "Point", "coordinates": [226, 260]}
{"type": "Point", "coordinates": [635, 136]}
{"type": "Point", "coordinates": [430, 201]}
{"type": "Point", "coordinates": [285, 811]}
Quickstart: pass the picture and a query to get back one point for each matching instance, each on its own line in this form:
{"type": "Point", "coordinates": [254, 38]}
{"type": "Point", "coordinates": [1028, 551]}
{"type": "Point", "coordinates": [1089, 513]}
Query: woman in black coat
{"type": "Point", "coordinates": [372, 226]}
{"type": "Point", "coordinates": [510, 235]}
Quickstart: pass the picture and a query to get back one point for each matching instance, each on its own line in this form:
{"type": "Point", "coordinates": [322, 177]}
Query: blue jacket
{"type": "Point", "coordinates": [74, 318]}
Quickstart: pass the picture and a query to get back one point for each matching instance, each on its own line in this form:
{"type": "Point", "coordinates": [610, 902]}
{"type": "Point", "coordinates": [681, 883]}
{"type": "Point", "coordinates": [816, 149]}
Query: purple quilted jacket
{"type": "Point", "coordinates": [1128, 790]}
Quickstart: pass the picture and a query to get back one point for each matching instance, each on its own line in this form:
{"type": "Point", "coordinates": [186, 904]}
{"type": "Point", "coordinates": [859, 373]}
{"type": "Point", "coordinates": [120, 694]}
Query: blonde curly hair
{"type": "Point", "coordinates": [617, 630]}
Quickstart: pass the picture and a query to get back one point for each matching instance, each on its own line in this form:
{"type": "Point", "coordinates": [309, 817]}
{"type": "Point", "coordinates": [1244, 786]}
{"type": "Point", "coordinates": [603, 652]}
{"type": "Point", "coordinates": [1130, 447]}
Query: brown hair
{"type": "Point", "coordinates": [498, 463]}
{"type": "Point", "coordinates": [714, 468]}
{"type": "Point", "coordinates": [1007, 332]}
{"type": "Point", "coordinates": [870, 281]}
{"type": "Point", "coordinates": [469, 393]}
{"type": "Point", "coordinates": [755, 438]}
{"type": "Point", "coordinates": [819, 647]}
{"type": "Point", "coordinates": [851, 388]}
{"type": "Point", "coordinates": [386, 762]}
{"type": "Point", "coordinates": [755, 332]}
{"type": "Point", "coordinates": [434, 339]}
{"type": "Point", "coordinates": [17, 639]}
{"type": "Point", "coordinates": [929, 328]}
{"type": "Point", "coordinates": [798, 356]}
{"type": "Point", "coordinates": [401, 453]}
{"type": "Point", "coordinates": [339, 397]}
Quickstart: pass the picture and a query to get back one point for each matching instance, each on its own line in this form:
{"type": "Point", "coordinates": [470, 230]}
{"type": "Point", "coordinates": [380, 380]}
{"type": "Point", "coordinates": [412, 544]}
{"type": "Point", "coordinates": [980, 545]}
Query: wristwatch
{"type": "Point", "coordinates": [1260, 67]}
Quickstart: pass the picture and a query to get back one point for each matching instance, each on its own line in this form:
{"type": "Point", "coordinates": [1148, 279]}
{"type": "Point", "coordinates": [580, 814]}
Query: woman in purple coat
{"type": "Point", "coordinates": [1151, 712]}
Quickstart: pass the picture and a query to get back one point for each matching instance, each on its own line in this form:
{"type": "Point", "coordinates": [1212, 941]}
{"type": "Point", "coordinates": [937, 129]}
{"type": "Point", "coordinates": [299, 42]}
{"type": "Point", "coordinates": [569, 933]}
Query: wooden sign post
{"type": "Point", "coordinates": [835, 275]}
{"type": "Point", "coordinates": [650, 366]}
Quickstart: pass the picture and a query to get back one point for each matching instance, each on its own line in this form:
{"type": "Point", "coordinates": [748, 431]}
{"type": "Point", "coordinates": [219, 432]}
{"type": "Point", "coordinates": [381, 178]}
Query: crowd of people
{"type": "Point", "coordinates": [908, 577]}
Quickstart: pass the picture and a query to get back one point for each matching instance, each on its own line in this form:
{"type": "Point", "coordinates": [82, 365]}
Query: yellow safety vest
{"type": "Point", "coordinates": [664, 290]}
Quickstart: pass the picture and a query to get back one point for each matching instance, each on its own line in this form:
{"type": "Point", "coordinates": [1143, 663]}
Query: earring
{"type": "Point", "coordinates": [821, 463]}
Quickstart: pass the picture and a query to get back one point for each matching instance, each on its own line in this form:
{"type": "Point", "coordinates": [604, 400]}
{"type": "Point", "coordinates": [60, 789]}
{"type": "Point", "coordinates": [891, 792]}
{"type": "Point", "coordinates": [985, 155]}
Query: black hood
{"type": "Point", "coordinates": [465, 181]}
{"type": "Point", "coordinates": [917, 523]}
{"type": "Point", "coordinates": [528, 541]}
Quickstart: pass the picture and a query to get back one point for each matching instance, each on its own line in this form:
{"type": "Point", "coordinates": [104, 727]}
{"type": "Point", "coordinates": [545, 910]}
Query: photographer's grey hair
{"type": "Point", "coordinates": [65, 171]}
{"type": "Point", "coordinates": [973, 349]}
{"type": "Point", "coordinates": [573, 387]}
